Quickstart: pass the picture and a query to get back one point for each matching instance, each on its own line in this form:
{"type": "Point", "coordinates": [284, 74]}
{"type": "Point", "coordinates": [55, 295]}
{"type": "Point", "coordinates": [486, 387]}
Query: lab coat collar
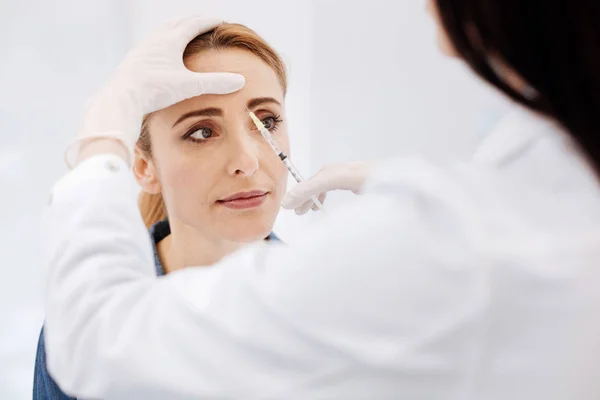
{"type": "Point", "coordinates": [513, 136]}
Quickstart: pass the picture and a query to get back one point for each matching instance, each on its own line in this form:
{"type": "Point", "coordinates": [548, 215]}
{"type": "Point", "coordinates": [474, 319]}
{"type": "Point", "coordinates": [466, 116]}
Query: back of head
{"type": "Point", "coordinates": [554, 45]}
{"type": "Point", "coordinates": [225, 36]}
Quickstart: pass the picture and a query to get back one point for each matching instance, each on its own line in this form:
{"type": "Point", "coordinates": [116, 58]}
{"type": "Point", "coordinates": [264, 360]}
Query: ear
{"type": "Point", "coordinates": [144, 170]}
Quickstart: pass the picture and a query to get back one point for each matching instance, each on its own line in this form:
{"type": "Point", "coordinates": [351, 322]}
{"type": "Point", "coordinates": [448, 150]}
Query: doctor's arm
{"type": "Point", "coordinates": [358, 291]}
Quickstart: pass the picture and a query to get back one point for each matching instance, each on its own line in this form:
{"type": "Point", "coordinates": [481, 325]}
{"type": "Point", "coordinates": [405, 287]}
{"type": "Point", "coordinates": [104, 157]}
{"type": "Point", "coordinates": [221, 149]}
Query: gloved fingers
{"type": "Point", "coordinates": [299, 194]}
{"type": "Point", "coordinates": [183, 85]}
{"type": "Point", "coordinates": [199, 23]}
{"type": "Point", "coordinates": [219, 82]}
{"type": "Point", "coordinates": [321, 198]}
{"type": "Point", "coordinates": [347, 176]}
{"type": "Point", "coordinates": [179, 32]}
{"type": "Point", "coordinates": [187, 29]}
{"type": "Point", "coordinates": [304, 190]}
{"type": "Point", "coordinates": [304, 208]}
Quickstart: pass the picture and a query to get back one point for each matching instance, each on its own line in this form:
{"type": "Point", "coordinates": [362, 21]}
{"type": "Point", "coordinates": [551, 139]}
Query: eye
{"type": "Point", "coordinates": [201, 134]}
{"type": "Point", "coordinates": [269, 123]}
{"type": "Point", "coordinates": [272, 123]}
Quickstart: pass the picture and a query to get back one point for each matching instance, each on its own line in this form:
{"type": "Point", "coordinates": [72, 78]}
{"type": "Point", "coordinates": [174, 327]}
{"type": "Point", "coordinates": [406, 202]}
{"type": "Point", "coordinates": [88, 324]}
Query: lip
{"type": "Point", "coordinates": [244, 200]}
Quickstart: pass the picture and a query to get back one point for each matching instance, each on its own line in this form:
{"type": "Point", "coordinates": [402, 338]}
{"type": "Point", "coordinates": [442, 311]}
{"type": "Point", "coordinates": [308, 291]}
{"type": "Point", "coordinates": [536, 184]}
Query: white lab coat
{"type": "Point", "coordinates": [472, 281]}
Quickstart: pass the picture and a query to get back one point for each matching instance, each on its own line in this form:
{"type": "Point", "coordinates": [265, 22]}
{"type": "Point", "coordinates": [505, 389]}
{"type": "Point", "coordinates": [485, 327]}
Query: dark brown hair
{"type": "Point", "coordinates": [554, 45]}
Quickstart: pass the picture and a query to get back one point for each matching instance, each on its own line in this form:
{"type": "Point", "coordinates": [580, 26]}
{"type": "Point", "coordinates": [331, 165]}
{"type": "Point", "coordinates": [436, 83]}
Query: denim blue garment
{"type": "Point", "coordinates": [44, 387]}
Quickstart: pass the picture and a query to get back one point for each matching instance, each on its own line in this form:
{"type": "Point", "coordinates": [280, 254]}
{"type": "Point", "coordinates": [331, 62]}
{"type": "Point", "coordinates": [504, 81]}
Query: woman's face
{"type": "Point", "coordinates": [206, 150]}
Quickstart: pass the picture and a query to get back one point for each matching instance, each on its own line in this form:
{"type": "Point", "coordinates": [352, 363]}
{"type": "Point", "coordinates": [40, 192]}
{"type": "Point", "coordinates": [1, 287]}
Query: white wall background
{"type": "Point", "coordinates": [363, 84]}
{"type": "Point", "coordinates": [52, 54]}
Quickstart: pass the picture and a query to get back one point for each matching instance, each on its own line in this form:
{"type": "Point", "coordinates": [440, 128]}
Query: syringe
{"type": "Point", "coordinates": [286, 160]}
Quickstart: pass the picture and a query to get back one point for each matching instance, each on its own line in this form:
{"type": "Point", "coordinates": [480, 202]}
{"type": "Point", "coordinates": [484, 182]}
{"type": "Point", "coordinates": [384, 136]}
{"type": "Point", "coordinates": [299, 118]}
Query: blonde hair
{"type": "Point", "coordinates": [225, 36]}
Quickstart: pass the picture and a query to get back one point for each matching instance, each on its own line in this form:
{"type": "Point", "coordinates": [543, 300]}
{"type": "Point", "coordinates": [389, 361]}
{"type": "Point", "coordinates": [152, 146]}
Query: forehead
{"type": "Point", "coordinates": [261, 79]}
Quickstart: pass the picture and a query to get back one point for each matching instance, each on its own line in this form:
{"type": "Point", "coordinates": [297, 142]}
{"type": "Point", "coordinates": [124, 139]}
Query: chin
{"type": "Point", "coordinates": [248, 230]}
{"type": "Point", "coordinates": [248, 236]}
{"type": "Point", "coordinates": [250, 225]}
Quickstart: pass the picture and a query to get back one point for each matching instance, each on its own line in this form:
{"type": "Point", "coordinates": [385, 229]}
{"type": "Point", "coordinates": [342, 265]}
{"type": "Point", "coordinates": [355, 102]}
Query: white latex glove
{"type": "Point", "coordinates": [345, 176]}
{"type": "Point", "coordinates": [151, 77]}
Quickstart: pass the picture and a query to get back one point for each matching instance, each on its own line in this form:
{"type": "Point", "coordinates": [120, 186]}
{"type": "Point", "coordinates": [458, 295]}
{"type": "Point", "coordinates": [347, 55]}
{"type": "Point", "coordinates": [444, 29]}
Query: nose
{"type": "Point", "coordinates": [243, 159]}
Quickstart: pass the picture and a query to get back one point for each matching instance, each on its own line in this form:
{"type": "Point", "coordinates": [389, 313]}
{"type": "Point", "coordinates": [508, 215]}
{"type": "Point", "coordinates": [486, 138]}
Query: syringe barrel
{"type": "Point", "coordinates": [267, 136]}
{"type": "Point", "coordinates": [295, 173]}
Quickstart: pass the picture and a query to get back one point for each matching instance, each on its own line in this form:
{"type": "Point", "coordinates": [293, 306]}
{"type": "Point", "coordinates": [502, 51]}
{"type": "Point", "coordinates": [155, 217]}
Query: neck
{"type": "Point", "coordinates": [186, 247]}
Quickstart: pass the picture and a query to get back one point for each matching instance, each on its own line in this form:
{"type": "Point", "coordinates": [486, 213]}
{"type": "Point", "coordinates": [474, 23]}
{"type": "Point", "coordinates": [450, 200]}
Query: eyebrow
{"type": "Point", "coordinates": [217, 112]}
{"type": "Point", "coordinates": [261, 100]}
{"type": "Point", "coordinates": [205, 112]}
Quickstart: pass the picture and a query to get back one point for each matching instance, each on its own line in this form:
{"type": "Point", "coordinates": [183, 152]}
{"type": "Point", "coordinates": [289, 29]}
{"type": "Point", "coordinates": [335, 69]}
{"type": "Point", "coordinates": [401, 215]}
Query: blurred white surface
{"type": "Point", "coordinates": [363, 84]}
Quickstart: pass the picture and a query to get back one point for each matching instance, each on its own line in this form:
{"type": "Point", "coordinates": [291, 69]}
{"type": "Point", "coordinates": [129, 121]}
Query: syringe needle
{"type": "Point", "coordinates": [282, 156]}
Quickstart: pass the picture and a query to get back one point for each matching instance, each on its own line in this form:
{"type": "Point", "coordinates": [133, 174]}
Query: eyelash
{"type": "Point", "coordinates": [196, 128]}
{"type": "Point", "coordinates": [187, 136]}
{"type": "Point", "coordinates": [276, 121]}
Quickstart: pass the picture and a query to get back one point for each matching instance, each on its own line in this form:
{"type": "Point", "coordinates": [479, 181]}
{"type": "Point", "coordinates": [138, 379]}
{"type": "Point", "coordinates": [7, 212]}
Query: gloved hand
{"type": "Point", "coordinates": [345, 176]}
{"type": "Point", "coordinates": [151, 77]}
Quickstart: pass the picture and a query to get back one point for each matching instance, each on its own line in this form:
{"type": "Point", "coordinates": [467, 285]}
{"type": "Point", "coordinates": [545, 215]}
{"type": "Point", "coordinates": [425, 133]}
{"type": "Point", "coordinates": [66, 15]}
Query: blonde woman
{"type": "Point", "coordinates": [210, 182]}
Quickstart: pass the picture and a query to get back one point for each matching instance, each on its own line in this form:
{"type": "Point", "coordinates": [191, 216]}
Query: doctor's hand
{"type": "Point", "coordinates": [345, 176]}
{"type": "Point", "coordinates": [152, 76]}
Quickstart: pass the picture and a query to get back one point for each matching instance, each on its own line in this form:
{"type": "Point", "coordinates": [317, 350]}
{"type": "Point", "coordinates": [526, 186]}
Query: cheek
{"type": "Point", "coordinates": [281, 174]}
{"type": "Point", "coordinates": [444, 44]}
{"type": "Point", "coordinates": [185, 180]}
{"type": "Point", "coordinates": [278, 168]}
{"type": "Point", "coordinates": [443, 40]}
{"type": "Point", "coordinates": [274, 167]}
{"type": "Point", "coordinates": [176, 175]}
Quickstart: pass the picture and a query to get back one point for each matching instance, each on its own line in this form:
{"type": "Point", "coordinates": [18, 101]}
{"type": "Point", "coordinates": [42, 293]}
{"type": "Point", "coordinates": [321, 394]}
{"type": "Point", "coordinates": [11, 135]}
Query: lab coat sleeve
{"type": "Point", "coordinates": [360, 290]}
